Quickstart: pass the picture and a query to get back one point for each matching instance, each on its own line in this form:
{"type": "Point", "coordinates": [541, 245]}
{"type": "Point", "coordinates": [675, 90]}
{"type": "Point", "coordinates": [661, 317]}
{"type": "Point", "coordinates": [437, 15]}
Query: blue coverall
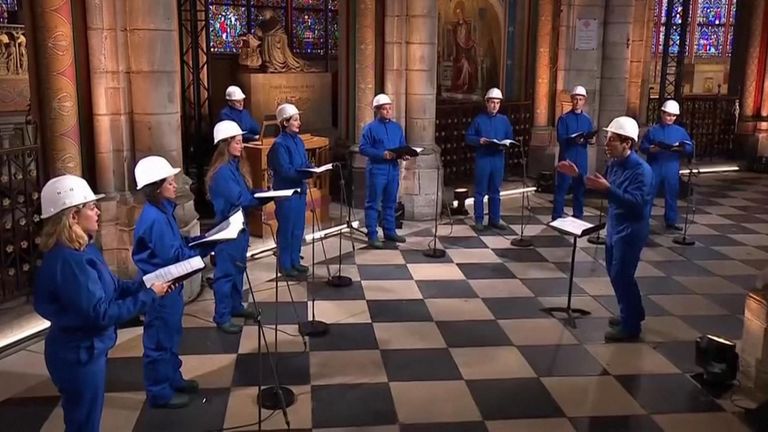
{"type": "Point", "coordinates": [489, 162]}
{"type": "Point", "coordinates": [382, 175]}
{"type": "Point", "coordinates": [286, 156]}
{"type": "Point", "coordinates": [77, 292]}
{"type": "Point", "coordinates": [228, 192]}
{"type": "Point", "coordinates": [574, 150]}
{"type": "Point", "coordinates": [629, 211]}
{"type": "Point", "coordinates": [666, 163]}
{"type": "Point", "coordinates": [243, 119]}
{"type": "Point", "coordinates": [157, 243]}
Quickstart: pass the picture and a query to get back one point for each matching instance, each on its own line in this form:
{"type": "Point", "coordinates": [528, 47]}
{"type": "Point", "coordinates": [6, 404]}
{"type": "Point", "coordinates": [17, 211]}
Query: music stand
{"type": "Point", "coordinates": [434, 251]}
{"type": "Point", "coordinates": [339, 280]}
{"type": "Point", "coordinates": [314, 327]}
{"type": "Point", "coordinates": [576, 229]}
{"type": "Point", "coordinates": [520, 241]}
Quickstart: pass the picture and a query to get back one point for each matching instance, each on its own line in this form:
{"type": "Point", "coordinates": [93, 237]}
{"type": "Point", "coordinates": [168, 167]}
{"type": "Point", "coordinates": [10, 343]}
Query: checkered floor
{"type": "Point", "coordinates": [460, 343]}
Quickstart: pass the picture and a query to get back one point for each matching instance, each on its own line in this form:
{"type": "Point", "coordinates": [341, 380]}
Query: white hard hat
{"type": "Point", "coordinates": [671, 106]}
{"type": "Point", "coordinates": [493, 93]}
{"type": "Point", "coordinates": [286, 111]}
{"type": "Point", "coordinates": [579, 91]}
{"type": "Point", "coordinates": [63, 192]}
{"type": "Point", "coordinates": [626, 126]}
{"type": "Point", "coordinates": [234, 93]}
{"type": "Point", "coordinates": [225, 129]}
{"type": "Point", "coordinates": [152, 169]}
{"type": "Point", "coordinates": [381, 99]}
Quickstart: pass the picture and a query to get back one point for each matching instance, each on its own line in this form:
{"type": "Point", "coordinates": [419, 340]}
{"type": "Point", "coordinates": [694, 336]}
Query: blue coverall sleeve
{"type": "Point", "coordinates": [632, 200]}
{"type": "Point", "coordinates": [158, 240]}
{"type": "Point", "coordinates": [280, 164]}
{"type": "Point", "coordinates": [226, 114]}
{"type": "Point", "coordinates": [562, 132]}
{"type": "Point", "coordinates": [86, 298]}
{"type": "Point", "coordinates": [367, 148]}
{"type": "Point", "coordinates": [472, 135]}
{"type": "Point", "coordinates": [224, 185]}
{"type": "Point", "coordinates": [510, 129]}
{"type": "Point", "coordinates": [688, 146]}
{"type": "Point", "coordinates": [646, 143]}
{"type": "Point", "coordinates": [127, 288]}
{"type": "Point", "coordinates": [252, 129]}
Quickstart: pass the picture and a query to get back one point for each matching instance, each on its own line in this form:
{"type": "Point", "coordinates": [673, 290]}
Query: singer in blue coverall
{"type": "Point", "coordinates": [572, 149]}
{"type": "Point", "coordinates": [489, 158]}
{"type": "Point", "coordinates": [229, 188]}
{"type": "Point", "coordinates": [664, 145]}
{"type": "Point", "coordinates": [83, 300]}
{"type": "Point", "coordinates": [158, 243]}
{"type": "Point", "coordinates": [628, 187]}
{"type": "Point", "coordinates": [236, 112]}
{"type": "Point", "coordinates": [379, 137]}
{"type": "Point", "coordinates": [285, 159]}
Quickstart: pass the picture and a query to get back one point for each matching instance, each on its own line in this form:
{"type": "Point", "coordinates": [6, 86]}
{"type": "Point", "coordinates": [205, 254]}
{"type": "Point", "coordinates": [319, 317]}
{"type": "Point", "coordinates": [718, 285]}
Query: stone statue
{"type": "Point", "coordinates": [21, 43]}
{"type": "Point", "coordinates": [269, 50]}
{"type": "Point", "coordinates": [250, 50]}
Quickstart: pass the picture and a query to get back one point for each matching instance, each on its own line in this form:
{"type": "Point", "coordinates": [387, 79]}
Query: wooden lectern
{"type": "Point", "coordinates": [318, 152]}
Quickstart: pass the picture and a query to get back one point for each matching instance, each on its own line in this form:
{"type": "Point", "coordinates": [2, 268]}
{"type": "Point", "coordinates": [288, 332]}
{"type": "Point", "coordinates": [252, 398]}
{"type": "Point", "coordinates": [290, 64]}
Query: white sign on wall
{"type": "Point", "coordinates": [586, 34]}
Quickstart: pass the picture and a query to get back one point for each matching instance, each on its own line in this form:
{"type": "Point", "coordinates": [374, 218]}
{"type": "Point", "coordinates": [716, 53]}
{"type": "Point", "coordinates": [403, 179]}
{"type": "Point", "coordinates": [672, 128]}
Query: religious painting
{"type": "Point", "coordinates": [469, 47]}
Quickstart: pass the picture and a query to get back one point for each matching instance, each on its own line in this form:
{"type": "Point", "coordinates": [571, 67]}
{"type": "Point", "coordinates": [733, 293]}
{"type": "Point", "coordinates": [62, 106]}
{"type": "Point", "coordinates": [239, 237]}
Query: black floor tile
{"type": "Point", "coordinates": [445, 427]}
{"type": "Point", "coordinates": [424, 232]}
{"type": "Point", "coordinates": [446, 289]}
{"type": "Point", "coordinates": [208, 340]}
{"type": "Point", "coordinates": [746, 282]}
{"type": "Point", "coordinates": [554, 287]}
{"type": "Point", "coordinates": [745, 218]}
{"type": "Point", "coordinates": [486, 271]}
{"type": "Point", "coordinates": [681, 394]}
{"type": "Point", "coordinates": [206, 412]}
{"type": "Point", "coordinates": [751, 209]}
{"type": "Point", "coordinates": [513, 399]}
{"type": "Point", "coordinates": [615, 424]}
{"type": "Point", "coordinates": [384, 272]}
{"type": "Point", "coordinates": [758, 265]}
{"type": "Point", "coordinates": [462, 242]}
{"type": "Point", "coordinates": [346, 257]}
{"type": "Point", "coordinates": [550, 241]}
{"type": "Point", "coordinates": [659, 285]}
{"type": "Point", "coordinates": [473, 333]}
{"type": "Point", "coordinates": [320, 290]}
{"type": "Point", "coordinates": [281, 313]}
{"type": "Point", "coordinates": [680, 268]}
{"type": "Point", "coordinates": [698, 252]}
{"type": "Point", "coordinates": [726, 326]}
{"type": "Point", "coordinates": [680, 353]}
{"type": "Point", "coordinates": [733, 303]}
{"type": "Point", "coordinates": [345, 337]}
{"type": "Point", "coordinates": [417, 257]}
{"type": "Point", "coordinates": [398, 310]}
{"type": "Point", "coordinates": [561, 360]}
{"type": "Point", "coordinates": [715, 240]}
{"type": "Point", "coordinates": [292, 369]}
{"type": "Point", "coordinates": [420, 365]}
{"type": "Point", "coordinates": [734, 228]}
{"type": "Point", "coordinates": [520, 255]}
{"type": "Point", "coordinates": [515, 307]}
{"type": "Point", "coordinates": [125, 374]}
{"type": "Point", "coordinates": [583, 269]}
{"type": "Point", "coordinates": [352, 405]}
{"type": "Point", "coordinates": [27, 414]}
{"type": "Point", "coordinates": [514, 220]}
{"type": "Point", "coordinates": [651, 307]}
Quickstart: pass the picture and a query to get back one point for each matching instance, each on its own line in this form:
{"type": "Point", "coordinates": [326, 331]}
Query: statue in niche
{"type": "Point", "coordinates": [464, 76]}
{"type": "Point", "coordinates": [21, 43]}
{"type": "Point", "coordinates": [269, 50]}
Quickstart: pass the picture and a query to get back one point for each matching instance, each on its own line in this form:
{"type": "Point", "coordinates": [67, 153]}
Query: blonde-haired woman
{"type": "Point", "coordinates": [229, 188]}
{"type": "Point", "coordinates": [84, 301]}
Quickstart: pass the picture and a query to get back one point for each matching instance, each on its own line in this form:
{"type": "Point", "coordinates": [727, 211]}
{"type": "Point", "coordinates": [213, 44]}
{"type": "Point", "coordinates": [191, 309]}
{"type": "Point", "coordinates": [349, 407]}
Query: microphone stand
{"type": "Point", "coordinates": [339, 280]}
{"type": "Point", "coordinates": [690, 207]}
{"type": "Point", "coordinates": [434, 251]}
{"type": "Point", "coordinates": [521, 241]}
{"type": "Point", "coordinates": [314, 327]}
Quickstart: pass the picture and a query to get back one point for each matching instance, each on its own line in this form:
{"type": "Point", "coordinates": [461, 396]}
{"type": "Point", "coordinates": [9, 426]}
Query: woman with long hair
{"type": "Point", "coordinates": [285, 159]}
{"type": "Point", "coordinates": [229, 188]}
{"type": "Point", "coordinates": [158, 243]}
{"type": "Point", "coordinates": [84, 301]}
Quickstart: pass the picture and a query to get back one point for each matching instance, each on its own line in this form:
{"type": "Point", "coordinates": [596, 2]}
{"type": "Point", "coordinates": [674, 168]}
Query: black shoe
{"type": "Point", "coordinates": [617, 334]}
{"type": "Point", "coordinates": [501, 226]}
{"type": "Point", "coordinates": [179, 400]}
{"type": "Point", "coordinates": [231, 328]}
{"type": "Point", "coordinates": [375, 243]}
{"type": "Point", "coordinates": [301, 268]}
{"type": "Point", "coordinates": [246, 312]}
{"type": "Point", "coordinates": [189, 386]}
{"type": "Point", "coordinates": [480, 227]}
{"type": "Point", "coordinates": [614, 322]}
{"type": "Point", "coordinates": [394, 238]}
{"type": "Point", "coordinates": [674, 227]}
{"type": "Point", "coordinates": [290, 273]}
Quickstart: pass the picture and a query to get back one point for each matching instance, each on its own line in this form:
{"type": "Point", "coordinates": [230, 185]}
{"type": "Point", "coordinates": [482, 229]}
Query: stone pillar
{"type": "Point", "coordinates": [752, 131]}
{"type": "Point", "coordinates": [111, 94]}
{"type": "Point", "coordinates": [748, 108]}
{"type": "Point", "coordinates": [365, 79]}
{"type": "Point", "coordinates": [420, 179]}
{"type": "Point", "coordinates": [57, 89]}
{"type": "Point", "coordinates": [753, 372]}
{"type": "Point", "coordinates": [639, 56]}
{"type": "Point", "coordinates": [540, 158]}
{"type": "Point", "coordinates": [395, 59]}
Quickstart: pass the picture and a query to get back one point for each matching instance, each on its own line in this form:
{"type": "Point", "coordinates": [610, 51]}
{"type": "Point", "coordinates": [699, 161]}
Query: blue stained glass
{"type": "Point", "coordinates": [333, 4]}
{"type": "Point", "coordinates": [269, 3]}
{"type": "Point", "coordinates": [712, 12]}
{"type": "Point", "coordinates": [225, 24]}
{"type": "Point", "coordinates": [309, 4]}
{"type": "Point", "coordinates": [333, 30]}
{"type": "Point", "coordinates": [730, 42]}
{"type": "Point", "coordinates": [709, 41]}
{"type": "Point", "coordinates": [10, 5]}
{"type": "Point", "coordinates": [309, 32]}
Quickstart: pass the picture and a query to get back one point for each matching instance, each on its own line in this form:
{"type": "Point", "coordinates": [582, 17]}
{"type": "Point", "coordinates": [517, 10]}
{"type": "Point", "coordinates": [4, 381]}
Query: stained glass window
{"type": "Point", "coordinates": [333, 32]}
{"type": "Point", "coordinates": [10, 5]}
{"type": "Point", "coordinates": [709, 41]}
{"type": "Point", "coordinates": [309, 4]}
{"type": "Point", "coordinates": [225, 24]}
{"type": "Point", "coordinates": [711, 27]}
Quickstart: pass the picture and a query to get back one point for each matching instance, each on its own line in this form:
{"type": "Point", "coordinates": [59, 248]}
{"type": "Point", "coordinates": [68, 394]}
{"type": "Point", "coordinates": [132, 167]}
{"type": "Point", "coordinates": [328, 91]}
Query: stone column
{"type": "Point", "coordinates": [540, 159]}
{"type": "Point", "coordinates": [638, 58]}
{"type": "Point", "coordinates": [365, 80]}
{"type": "Point", "coordinates": [420, 179]}
{"type": "Point", "coordinates": [111, 94]}
{"type": "Point", "coordinates": [395, 33]}
{"type": "Point", "coordinates": [753, 372]}
{"type": "Point", "coordinates": [748, 108]}
{"type": "Point", "coordinates": [57, 88]}
{"type": "Point", "coordinates": [752, 131]}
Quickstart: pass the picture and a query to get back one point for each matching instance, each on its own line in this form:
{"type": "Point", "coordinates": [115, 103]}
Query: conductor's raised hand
{"type": "Point", "coordinates": [597, 182]}
{"type": "Point", "coordinates": [161, 288]}
{"type": "Point", "coordinates": [568, 168]}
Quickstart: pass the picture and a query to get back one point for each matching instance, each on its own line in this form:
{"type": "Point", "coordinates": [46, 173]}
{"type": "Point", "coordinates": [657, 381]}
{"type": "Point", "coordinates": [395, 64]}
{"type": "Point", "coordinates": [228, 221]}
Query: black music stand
{"type": "Point", "coordinates": [578, 230]}
{"type": "Point", "coordinates": [525, 203]}
{"type": "Point", "coordinates": [596, 239]}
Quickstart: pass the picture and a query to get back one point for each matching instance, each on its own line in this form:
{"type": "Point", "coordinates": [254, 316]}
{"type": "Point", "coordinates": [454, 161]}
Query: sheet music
{"type": "Point", "coordinates": [227, 230]}
{"type": "Point", "coordinates": [418, 149]}
{"type": "Point", "coordinates": [318, 170]}
{"type": "Point", "coordinates": [276, 193]}
{"type": "Point", "coordinates": [174, 271]}
{"type": "Point", "coordinates": [506, 142]}
{"type": "Point", "coordinates": [571, 225]}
